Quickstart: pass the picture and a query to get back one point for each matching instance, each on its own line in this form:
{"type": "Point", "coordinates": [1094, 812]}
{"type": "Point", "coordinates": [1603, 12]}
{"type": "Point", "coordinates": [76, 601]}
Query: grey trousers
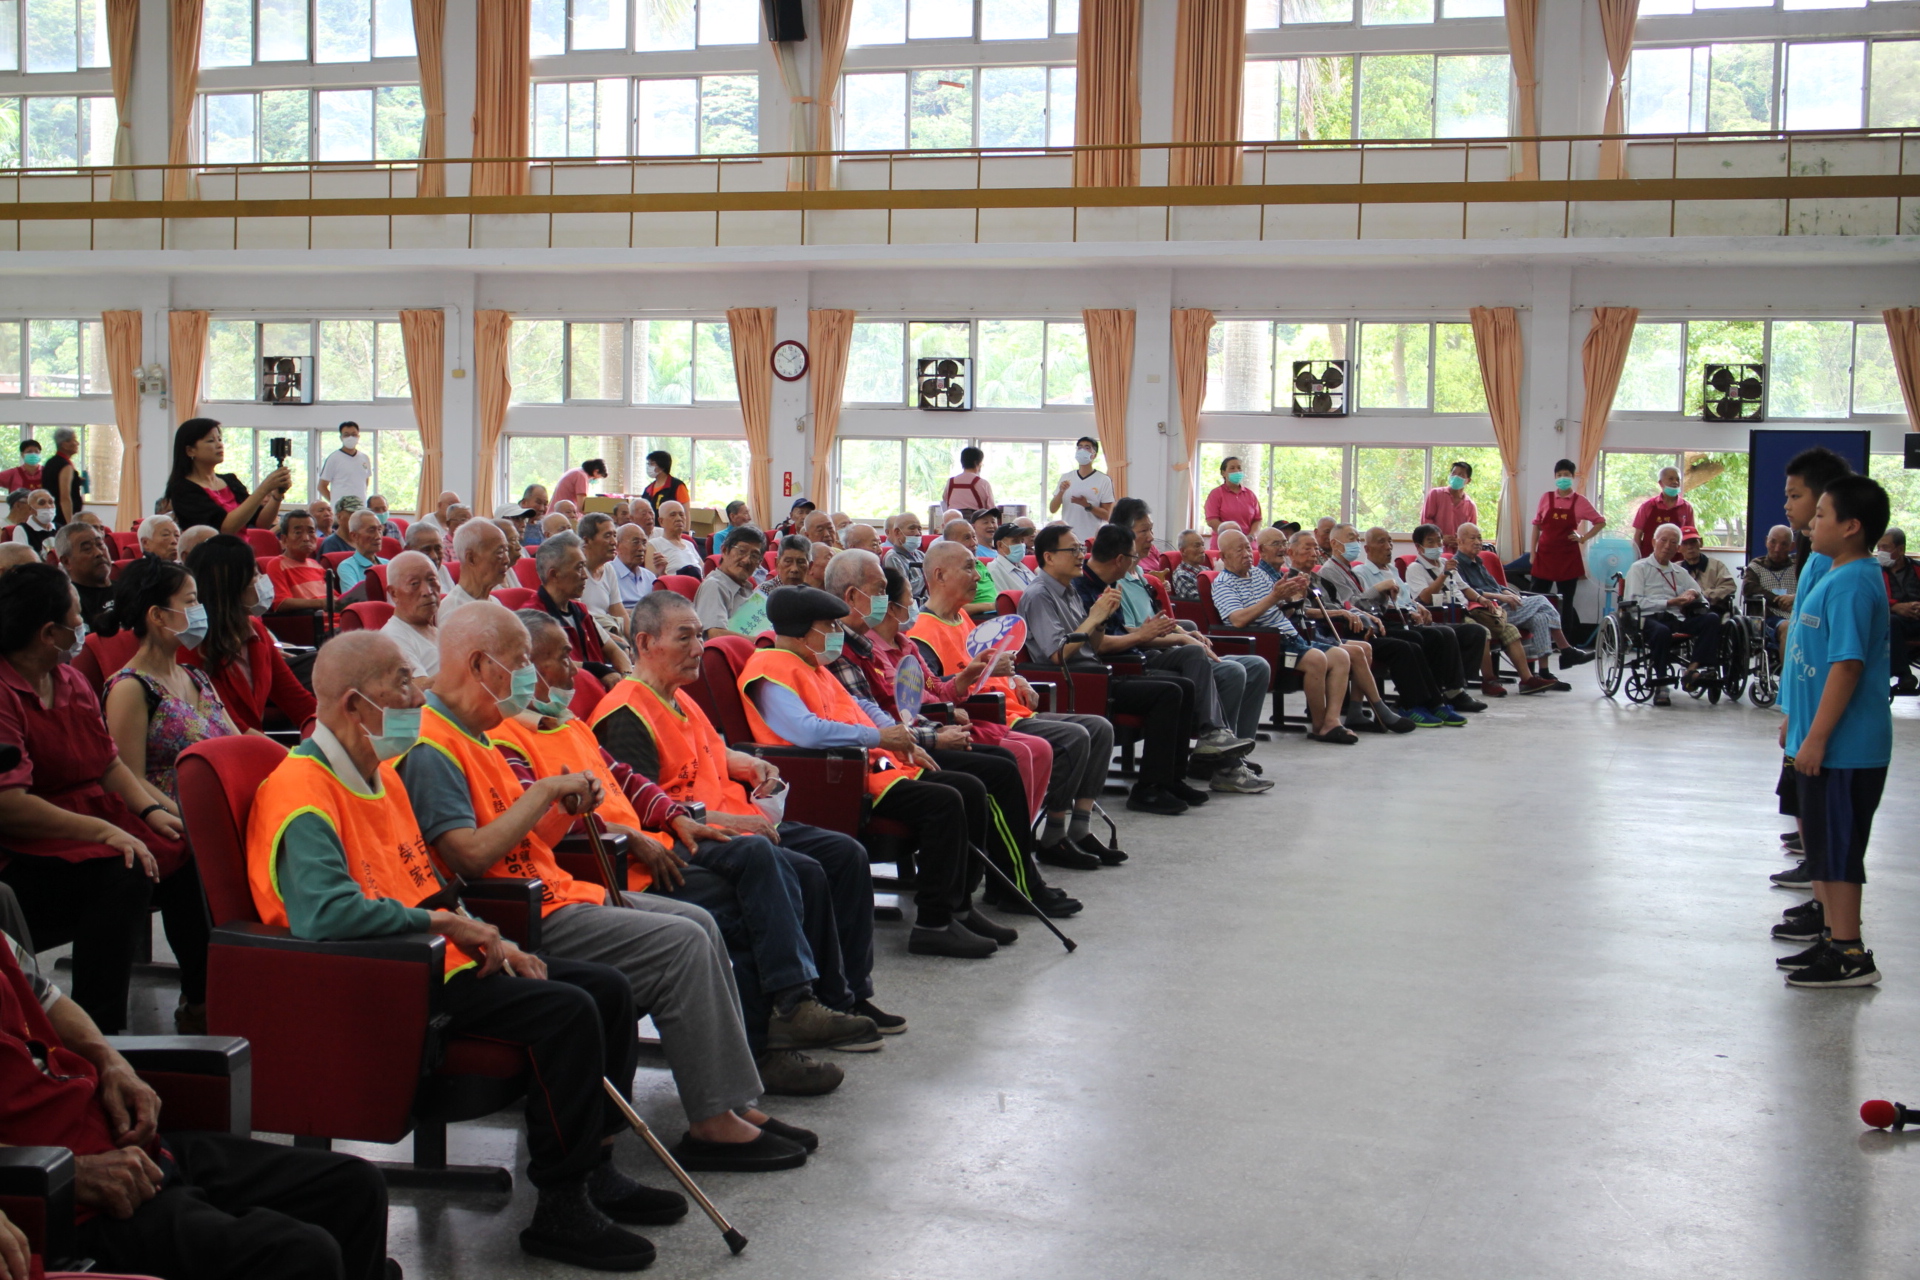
{"type": "Point", "coordinates": [1240, 680]}
{"type": "Point", "coordinates": [1082, 751]}
{"type": "Point", "coordinates": [676, 961]}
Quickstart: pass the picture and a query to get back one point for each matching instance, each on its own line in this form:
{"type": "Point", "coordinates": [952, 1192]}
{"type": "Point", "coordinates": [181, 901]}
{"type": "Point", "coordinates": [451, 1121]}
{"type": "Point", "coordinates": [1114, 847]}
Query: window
{"type": "Point", "coordinates": [1268, 15]}
{"type": "Point", "coordinates": [573, 361]}
{"type": "Point", "coordinates": [696, 115]}
{"type": "Point", "coordinates": [1656, 8]}
{"type": "Point", "coordinates": [962, 107]}
{"type": "Point", "coordinates": [715, 470]}
{"type": "Point", "coordinates": [1425, 368]}
{"type": "Point", "coordinates": [295, 125]}
{"type": "Point", "coordinates": [878, 478]}
{"type": "Point", "coordinates": [239, 33]}
{"type": "Point", "coordinates": [99, 456]}
{"type": "Point", "coordinates": [1017, 364]}
{"type": "Point", "coordinates": [1830, 84]}
{"type": "Point", "coordinates": [1903, 494]}
{"type": "Point", "coordinates": [1416, 95]}
{"type": "Point", "coordinates": [58, 132]}
{"type": "Point", "coordinates": [53, 359]}
{"type": "Point", "coordinates": [57, 35]}
{"type": "Point", "coordinates": [1715, 484]}
{"type": "Point", "coordinates": [1365, 484]}
{"type": "Point", "coordinates": [565, 26]}
{"type": "Point", "coordinates": [359, 361]}
{"type": "Point", "coordinates": [1815, 368]}
{"type": "Point", "coordinates": [897, 21]}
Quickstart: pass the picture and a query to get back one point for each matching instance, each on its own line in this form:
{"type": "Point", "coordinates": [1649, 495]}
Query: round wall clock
{"type": "Point", "coordinates": [790, 361]}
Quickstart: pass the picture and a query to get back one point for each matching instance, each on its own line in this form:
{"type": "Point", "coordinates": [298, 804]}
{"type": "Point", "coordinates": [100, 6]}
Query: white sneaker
{"type": "Point", "coordinates": [1217, 742]}
{"type": "Point", "coordinates": [1241, 779]}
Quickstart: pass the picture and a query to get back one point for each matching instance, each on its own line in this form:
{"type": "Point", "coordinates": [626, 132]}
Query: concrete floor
{"type": "Point", "coordinates": [1490, 1002]}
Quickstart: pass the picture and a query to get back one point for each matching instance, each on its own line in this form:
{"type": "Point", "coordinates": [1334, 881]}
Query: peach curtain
{"type": "Point", "coordinates": [836, 24]}
{"type": "Point", "coordinates": [752, 331]}
{"type": "Point", "coordinates": [184, 62]}
{"type": "Point", "coordinates": [1602, 358]}
{"type": "Point", "coordinates": [1107, 93]}
{"type": "Point", "coordinates": [1496, 339]}
{"type": "Point", "coordinates": [429, 34]}
{"type": "Point", "coordinates": [1191, 326]}
{"type": "Point", "coordinates": [123, 23]}
{"type": "Point", "coordinates": [186, 355]}
{"type": "Point", "coordinates": [122, 329]}
{"type": "Point", "coordinates": [424, 334]}
{"type": "Point", "coordinates": [1110, 362]}
{"type": "Point", "coordinates": [1903, 334]}
{"type": "Point", "coordinates": [829, 336]}
{"type": "Point", "coordinates": [1209, 62]}
{"type": "Point", "coordinates": [1616, 26]}
{"type": "Point", "coordinates": [502, 96]}
{"type": "Point", "coordinates": [492, 332]}
{"type": "Point", "coordinates": [799, 118]}
{"type": "Point", "coordinates": [1523, 20]}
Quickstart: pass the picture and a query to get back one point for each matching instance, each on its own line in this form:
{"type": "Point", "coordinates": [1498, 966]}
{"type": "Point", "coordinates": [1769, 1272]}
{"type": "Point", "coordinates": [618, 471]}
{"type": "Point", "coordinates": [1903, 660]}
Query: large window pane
{"type": "Point", "coordinates": [1393, 366]}
{"type": "Point", "coordinates": [1388, 488]}
{"type": "Point", "coordinates": [729, 21]}
{"type": "Point", "coordinates": [876, 364]}
{"type": "Point", "coordinates": [1304, 485]}
{"type": "Point", "coordinates": [228, 118]}
{"type": "Point", "coordinates": [1324, 107]}
{"type": "Point", "coordinates": [1902, 486]}
{"type": "Point", "coordinates": [663, 24]}
{"type": "Point", "coordinates": [96, 378]}
{"type": "Point", "coordinates": [1627, 480]}
{"type": "Point", "coordinates": [1896, 84]}
{"type": "Point", "coordinates": [343, 30]}
{"type": "Point", "coordinates": [929, 463]}
{"type": "Point", "coordinates": [230, 360]}
{"type": "Point", "coordinates": [346, 124]}
{"type": "Point", "coordinates": [729, 114]}
{"type": "Point", "coordinates": [1061, 82]}
{"type": "Point", "coordinates": [53, 358]}
{"type": "Point", "coordinates": [397, 120]}
{"type": "Point", "coordinates": [53, 131]}
{"type": "Point", "coordinates": [1013, 19]}
{"type": "Point", "coordinates": [1260, 101]}
{"type": "Point", "coordinates": [534, 460]}
{"type": "Point", "coordinates": [1069, 380]}
{"type": "Point", "coordinates": [597, 354]}
{"type": "Point", "coordinates": [1240, 367]}
{"type": "Point", "coordinates": [396, 469]}
{"type": "Point", "coordinates": [878, 22]}
{"type": "Point", "coordinates": [1651, 380]}
{"type": "Point", "coordinates": [1013, 105]}
{"type": "Point", "coordinates": [1659, 91]}
{"type": "Point", "coordinates": [1716, 486]}
{"type": "Point", "coordinates": [549, 34]}
{"type": "Point", "coordinates": [870, 478]}
{"type": "Point", "coordinates": [9, 130]}
{"type": "Point", "coordinates": [1824, 85]}
{"type": "Point", "coordinates": [713, 361]}
{"type": "Point", "coordinates": [283, 29]}
{"type": "Point", "coordinates": [599, 24]}
{"type": "Point", "coordinates": [1396, 96]}
{"type": "Point", "coordinates": [1719, 342]}
{"type": "Point", "coordinates": [1740, 87]}
{"type": "Point", "coordinates": [1375, 13]}
{"type": "Point", "coordinates": [941, 109]}
{"type": "Point", "coordinates": [1810, 369]}
{"type": "Point", "coordinates": [719, 472]}
{"type": "Point", "coordinates": [1457, 386]}
{"type": "Point", "coordinates": [1292, 11]}
{"type": "Point", "coordinates": [1876, 388]}
{"type": "Point", "coordinates": [390, 380]}
{"type": "Point", "coordinates": [226, 34]}
{"type": "Point", "coordinates": [876, 112]}
{"type": "Point", "coordinates": [393, 29]}
{"type": "Point", "coordinates": [1470, 96]}
{"type": "Point", "coordinates": [667, 117]}
{"type": "Point", "coordinates": [284, 128]}
{"type": "Point", "coordinates": [939, 20]}
{"type": "Point", "coordinates": [12, 366]}
{"type": "Point", "coordinates": [534, 361]}
{"type": "Point", "coordinates": [1008, 375]}
{"type": "Point", "coordinates": [663, 362]}
{"type": "Point", "coordinates": [1014, 467]}
{"type": "Point", "coordinates": [940, 338]}
{"type": "Point", "coordinates": [346, 360]}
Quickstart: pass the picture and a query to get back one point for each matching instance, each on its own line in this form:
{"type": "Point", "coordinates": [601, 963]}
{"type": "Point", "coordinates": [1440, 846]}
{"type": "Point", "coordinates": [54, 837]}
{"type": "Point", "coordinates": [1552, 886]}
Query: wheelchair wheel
{"type": "Point", "coordinates": [1735, 663]}
{"type": "Point", "coordinates": [1764, 686]}
{"type": "Point", "coordinates": [1610, 655]}
{"type": "Point", "coordinates": [1640, 684]}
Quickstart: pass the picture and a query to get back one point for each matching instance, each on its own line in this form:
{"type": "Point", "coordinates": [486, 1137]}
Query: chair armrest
{"type": "Point", "coordinates": [204, 1082]}
{"type": "Point", "coordinates": [36, 1193]}
{"type": "Point", "coordinates": [511, 906]}
{"type": "Point", "coordinates": [575, 855]}
{"type": "Point", "coordinates": [826, 786]}
{"type": "Point", "coordinates": [991, 707]}
{"type": "Point", "coordinates": [419, 948]}
{"type": "Point", "coordinates": [1233, 643]}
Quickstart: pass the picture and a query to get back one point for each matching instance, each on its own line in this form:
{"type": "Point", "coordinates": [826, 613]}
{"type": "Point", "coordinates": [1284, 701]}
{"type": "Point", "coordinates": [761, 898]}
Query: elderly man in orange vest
{"type": "Point", "coordinates": [481, 821]}
{"type": "Point", "coordinates": [337, 792]}
{"type": "Point", "coordinates": [753, 892]}
{"type": "Point", "coordinates": [793, 700]}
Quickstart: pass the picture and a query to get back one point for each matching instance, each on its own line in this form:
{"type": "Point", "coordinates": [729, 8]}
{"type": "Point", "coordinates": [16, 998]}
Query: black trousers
{"type": "Point", "coordinates": [576, 1026]}
{"type": "Point", "coordinates": [101, 906]}
{"type": "Point", "coordinates": [1405, 660]}
{"type": "Point", "coordinates": [1900, 632]}
{"type": "Point", "coordinates": [1444, 647]}
{"type": "Point", "coordinates": [1166, 702]}
{"type": "Point", "coordinates": [947, 811]}
{"type": "Point", "coordinates": [1661, 628]}
{"type": "Point", "coordinates": [1009, 837]}
{"type": "Point", "coordinates": [236, 1209]}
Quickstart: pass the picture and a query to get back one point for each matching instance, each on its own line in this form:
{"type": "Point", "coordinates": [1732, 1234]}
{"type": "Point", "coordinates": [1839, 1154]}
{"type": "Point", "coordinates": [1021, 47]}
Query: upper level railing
{"type": "Point", "coordinates": [1834, 182]}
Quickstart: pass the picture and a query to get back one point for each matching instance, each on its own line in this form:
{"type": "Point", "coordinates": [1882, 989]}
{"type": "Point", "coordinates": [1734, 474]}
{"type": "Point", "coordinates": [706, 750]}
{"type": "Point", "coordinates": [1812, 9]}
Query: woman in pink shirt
{"type": "Point", "coordinates": [1232, 500]}
{"type": "Point", "coordinates": [572, 485]}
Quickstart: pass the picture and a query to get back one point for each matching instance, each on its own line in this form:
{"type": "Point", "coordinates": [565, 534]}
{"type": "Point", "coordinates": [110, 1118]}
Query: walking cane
{"type": "Point", "coordinates": [1006, 882]}
{"type": "Point", "coordinates": [735, 1241]}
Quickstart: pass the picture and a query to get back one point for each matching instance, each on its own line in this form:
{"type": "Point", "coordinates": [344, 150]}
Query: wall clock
{"type": "Point", "coordinates": [790, 361]}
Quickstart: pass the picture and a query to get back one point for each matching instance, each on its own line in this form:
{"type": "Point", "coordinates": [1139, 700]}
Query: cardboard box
{"type": "Point", "coordinates": [599, 502]}
{"type": "Point", "coordinates": [705, 521]}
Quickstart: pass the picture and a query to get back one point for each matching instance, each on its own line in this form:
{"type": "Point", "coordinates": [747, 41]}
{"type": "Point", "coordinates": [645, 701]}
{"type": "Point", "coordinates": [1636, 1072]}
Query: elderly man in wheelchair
{"type": "Point", "coordinates": [1661, 600]}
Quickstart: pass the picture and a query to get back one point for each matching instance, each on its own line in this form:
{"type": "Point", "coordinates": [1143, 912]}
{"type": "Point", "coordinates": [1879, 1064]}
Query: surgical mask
{"type": "Point", "coordinates": [550, 706]}
{"type": "Point", "coordinates": [1431, 553]}
{"type": "Point", "coordinates": [29, 459]}
{"type": "Point", "coordinates": [1352, 550]}
{"type": "Point", "coordinates": [1236, 477]}
{"type": "Point", "coordinates": [913, 616]}
{"type": "Point", "coordinates": [43, 516]}
{"type": "Point", "coordinates": [1018, 551]}
{"type": "Point", "coordinates": [876, 611]}
{"type": "Point", "coordinates": [348, 442]}
{"type": "Point", "coordinates": [79, 642]}
{"type": "Point", "coordinates": [399, 729]}
{"type": "Point", "coordinates": [1884, 558]}
{"type": "Point", "coordinates": [196, 628]}
{"type": "Point", "coordinates": [1670, 490]}
{"type": "Point", "coordinates": [836, 641]}
{"type": "Point", "coordinates": [653, 470]}
{"type": "Point", "coordinates": [520, 691]}
{"type": "Point", "coordinates": [1083, 456]}
{"type": "Point", "coordinates": [1456, 483]}
{"type": "Point", "coordinates": [1563, 483]}
{"type": "Point", "coordinates": [262, 594]}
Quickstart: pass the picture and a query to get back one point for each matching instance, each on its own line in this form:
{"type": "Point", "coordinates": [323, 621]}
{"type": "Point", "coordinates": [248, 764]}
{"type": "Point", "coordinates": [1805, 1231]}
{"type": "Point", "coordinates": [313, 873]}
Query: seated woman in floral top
{"type": "Point", "coordinates": [156, 707]}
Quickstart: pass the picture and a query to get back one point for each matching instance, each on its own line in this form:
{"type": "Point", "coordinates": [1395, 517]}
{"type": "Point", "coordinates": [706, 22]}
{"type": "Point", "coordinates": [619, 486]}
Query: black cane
{"type": "Point", "coordinates": [1006, 882]}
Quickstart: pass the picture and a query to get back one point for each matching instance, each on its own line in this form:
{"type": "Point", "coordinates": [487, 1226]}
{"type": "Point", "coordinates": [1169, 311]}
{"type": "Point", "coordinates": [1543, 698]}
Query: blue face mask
{"type": "Point", "coordinates": [876, 610]}
{"type": "Point", "coordinates": [913, 616]}
{"type": "Point", "coordinates": [1352, 550]}
{"type": "Point", "coordinates": [399, 729]}
{"type": "Point", "coordinates": [196, 628]}
{"type": "Point", "coordinates": [550, 706]}
{"type": "Point", "coordinates": [1236, 477]}
{"type": "Point", "coordinates": [1431, 553]}
{"type": "Point", "coordinates": [1017, 552]}
{"type": "Point", "coordinates": [1563, 483]}
{"type": "Point", "coordinates": [1456, 483]}
{"type": "Point", "coordinates": [836, 641]}
{"type": "Point", "coordinates": [520, 692]}
{"type": "Point", "coordinates": [29, 459]}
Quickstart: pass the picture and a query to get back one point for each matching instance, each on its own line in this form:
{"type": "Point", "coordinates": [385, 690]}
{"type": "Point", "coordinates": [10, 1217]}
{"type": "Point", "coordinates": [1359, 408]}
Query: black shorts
{"type": "Point", "coordinates": [1788, 789]}
{"type": "Point", "coordinates": [1836, 818]}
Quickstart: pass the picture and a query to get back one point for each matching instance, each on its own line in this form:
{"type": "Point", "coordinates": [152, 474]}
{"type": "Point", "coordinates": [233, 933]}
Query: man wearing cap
{"type": "Point", "coordinates": [793, 700]}
{"type": "Point", "coordinates": [1715, 579]}
{"type": "Point", "coordinates": [519, 516]}
{"type": "Point", "coordinates": [796, 517]}
{"type": "Point", "coordinates": [342, 516]}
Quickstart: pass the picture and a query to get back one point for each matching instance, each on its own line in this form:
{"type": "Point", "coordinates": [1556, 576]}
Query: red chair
{"type": "Point", "coordinates": [772, 559]}
{"type": "Point", "coordinates": [296, 628]}
{"type": "Point", "coordinates": [516, 597]}
{"type": "Point", "coordinates": [376, 581]}
{"type": "Point", "coordinates": [365, 615]}
{"type": "Point", "coordinates": [1400, 564]}
{"type": "Point", "coordinates": [453, 569]}
{"type": "Point", "coordinates": [120, 568]}
{"type": "Point", "coordinates": [400, 524]}
{"type": "Point", "coordinates": [263, 542]}
{"type": "Point", "coordinates": [587, 692]}
{"type": "Point", "coordinates": [1033, 563]}
{"type": "Point", "coordinates": [713, 562]}
{"type": "Point", "coordinates": [126, 546]}
{"type": "Point", "coordinates": [343, 1031]}
{"type": "Point", "coordinates": [389, 547]}
{"type": "Point", "coordinates": [678, 584]}
{"type": "Point", "coordinates": [101, 656]}
{"type": "Point", "coordinates": [527, 573]}
{"type": "Point", "coordinates": [1007, 602]}
{"type": "Point", "coordinates": [334, 558]}
{"type": "Point", "coordinates": [928, 539]}
{"type": "Point", "coordinates": [1494, 567]}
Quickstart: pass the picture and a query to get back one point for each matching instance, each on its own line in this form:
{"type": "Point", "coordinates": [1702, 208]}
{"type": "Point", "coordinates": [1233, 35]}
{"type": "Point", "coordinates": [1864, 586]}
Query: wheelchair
{"type": "Point", "coordinates": [1623, 658]}
{"type": "Point", "coordinates": [1762, 636]}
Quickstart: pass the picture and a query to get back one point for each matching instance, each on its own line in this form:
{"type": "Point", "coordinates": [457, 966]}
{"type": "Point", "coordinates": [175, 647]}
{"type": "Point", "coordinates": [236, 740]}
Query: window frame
{"type": "Point", "coordinates": [1055, 11]}
{"type": "Point", "coordinates": [1049, 466]}
{"type": "Point", "coordinates": [21, 43]}
{"type": "Point", "coordinates": [1778, 103]}
{"type": "Point", "coordinates": [1282, 406]}
{"type": "Point", "coordinates": [973, 323]}
{"type": "Point", "coordinates": [1358, 22]}
{"type": "Point", "coordinates": [632, 20]}
{"type": "Point", "coordinates": [1676, 458]}
{"type": "Point", "coordinates": [313, 323]}
{"type": "Point", "coordinates": [83, 105]}
{"type": "Point", "coordinates": [313, 92]}
{"type": "Point", "coordinates": [975, 69]}
{"type": "Point", "coordinates": [256, 63]}
{"type": "Point", "coordinates": [1349, 479]}
{"type": "Point", "coordinates": [1767, 322]}
{"type": "Point", "coordinates": [25, 396]}
{"type": "Point", "coordinates": [626, 403]}
{"type": "Point", "coordinates": [1355, 80]}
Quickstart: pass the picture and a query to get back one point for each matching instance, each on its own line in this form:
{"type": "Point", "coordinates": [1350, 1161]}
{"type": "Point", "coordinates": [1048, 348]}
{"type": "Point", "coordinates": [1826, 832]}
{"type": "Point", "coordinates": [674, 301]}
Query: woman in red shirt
{"type": "Point", "coordinates": [1232, 500]}
{"type": "Point", "coordinates": [239, 653]}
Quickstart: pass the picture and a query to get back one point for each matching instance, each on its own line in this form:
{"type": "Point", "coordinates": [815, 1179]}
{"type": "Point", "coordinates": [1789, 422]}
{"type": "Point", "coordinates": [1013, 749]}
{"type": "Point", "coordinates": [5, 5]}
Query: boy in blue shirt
{"type": "Point", "coordinates": [1839, 729]}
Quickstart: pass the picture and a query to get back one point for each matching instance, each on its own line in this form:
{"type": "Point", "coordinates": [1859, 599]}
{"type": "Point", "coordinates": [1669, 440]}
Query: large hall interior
{"type": "Point", "coordinates": [958, 638]}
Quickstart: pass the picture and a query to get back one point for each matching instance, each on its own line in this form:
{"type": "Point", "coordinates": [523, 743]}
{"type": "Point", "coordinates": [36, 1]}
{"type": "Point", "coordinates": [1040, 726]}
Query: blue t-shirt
{"type": "Point", "coordinates": [1813, 569]}
{"type": "Point", "coordinates": [1842, 619]}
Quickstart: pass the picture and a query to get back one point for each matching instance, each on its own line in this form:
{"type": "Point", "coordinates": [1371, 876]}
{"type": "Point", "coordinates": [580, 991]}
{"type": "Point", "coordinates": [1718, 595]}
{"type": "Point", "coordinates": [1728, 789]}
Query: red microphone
{"type": "Point", "coordinates": [1882, 1114]}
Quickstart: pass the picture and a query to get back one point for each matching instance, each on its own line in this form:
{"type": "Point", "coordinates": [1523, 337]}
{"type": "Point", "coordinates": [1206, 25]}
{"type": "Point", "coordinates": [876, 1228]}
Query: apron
{"type": "Point", "coordinates": [1558, 559]}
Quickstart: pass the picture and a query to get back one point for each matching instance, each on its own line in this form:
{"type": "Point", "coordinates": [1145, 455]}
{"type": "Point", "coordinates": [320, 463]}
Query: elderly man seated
{"type": "Point", "coordinates": [782, 945]}
{"type": "Point", "coordinates": [1903, 599]}
{"type": "Point", "coordinates": [1435, 583]}
{"type": "Point", "coordinates": [1008, 568]}
{"type": "Point", "coordinates": [533, 502]}
{"type": "Point", "coordinates": [819, 555]}
{"type": "Point", "coordinates": [88, 564]}
{"type": "Point", "coordinates": [322, 512]}
{"type": "Point", "coordinates": [731, 584]}
{"type": "Point", "coordinates": [1529, 612]}
{"type": "Point", "coordinates": [1244, 595]}
{"type": "Point", "coordinates": [554, 522]}
{"type": "Point", "coordinates": [457, 514]}
{"type": "Point", "coordinates": [561, 564]}
{"type": "Point", "coordinates": [1422, 659]}
{"type": "Point", "coordinates": [861, 537]}
{"type": "Point", "coordinates": [481, 549]}
{"type": "Point", "coordinates": [334, 538]}
{"type": "Point", "coordinates": [1773, 576]}
{"type": "Point", "coordinates": [793, 700]}
{"type": "Point", "coordinates": [15, 554]}
{"type": "Point", "coordinates": [791, 565]}
{"type": "Point", "coordinates": [389, 528]}
{"type": "Point", "coordinates": [673, 544]}
{"type": "Point", "coordinates": [1190, 562]}
{"type": "Point", "coordinates": [437, 518]}
{"type": "Point", "coordinates": [1453, 665]}
{"type": "Point", "coordinates": [160, 538]}
{"type": "Point", "coordinates": [1664, 592]}
{"type": "Point", "coordinates": [635, 563]}
{"type": "Point", "coordinates": [1716, 580]}
{"type": "Point", "coordinates": [1315, 619]}
{"type": "Point", "coordinates": [574, 1019]}
{"type": "Point", "coordinates": [414, 589]}
{"type": "Point", "coordinates": [903, 552]}
{"type": "Point", "coordinates": [480, 821]}
{"type": "Point", "coordinates": [363, 531]}
{"type": "Point", "coordinates": [601, 599]}
{"type": "Point", "coordinates": [431, 543]}
{"type": "Point", "coordinates": [961, 532]}
{"type": "Point", "coordinates": [819, 527]}
{"type": "Point", "coordinates": [298, 574]}
{"type": "Point", "coordinates": [512, 530]}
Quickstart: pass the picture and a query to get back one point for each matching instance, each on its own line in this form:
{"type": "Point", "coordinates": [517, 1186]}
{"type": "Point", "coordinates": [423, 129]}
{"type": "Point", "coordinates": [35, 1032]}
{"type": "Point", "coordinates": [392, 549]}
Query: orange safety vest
{"type": "Point", "coordinates": [827, 698]}
{"type": "Point", "coordinates": [948, 640]}
{"type": "Point", "coordinates": [570, 747]}
{"type": "Point", "coordinates": [493, 789]}
{"type": "Point", "coordinates": [386, 854]}
{"type": "Point", "coordinates": [692, 755]}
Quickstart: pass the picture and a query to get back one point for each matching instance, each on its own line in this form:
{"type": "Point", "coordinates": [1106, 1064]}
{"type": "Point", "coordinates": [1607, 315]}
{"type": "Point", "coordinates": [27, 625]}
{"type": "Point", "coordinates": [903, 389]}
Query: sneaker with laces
{"type": "Point", "coordinates": [1423, 718]}
{"type": "Point", "coordinates": [1811, 907]}
{"type": "Point", "coordinates": [1536, 684]}
{"type": "Point", "coordinates": [1216, 742]}
{"type": "Point", "coordinates": [1792, 847]}
{"type": "Point", "coordinates": [1800, 877]}
{"type": "Point", "coordinates": [1852, 967]}
{"type": "Point", "coordinates": [1464, 701]}
{"type": "Point", "coordinates": [1240, 779]}
{"type": "Point", "coordinates": [1804, 928]}
{"type": "Point", "coordinates": [811, 1025]}
{"type": "Point", "coordinates": [1801, 959]}
{"type": "Point", "coordinates": [793, 1074]}
{"type": "Point", "coordinates": [1449, 717]}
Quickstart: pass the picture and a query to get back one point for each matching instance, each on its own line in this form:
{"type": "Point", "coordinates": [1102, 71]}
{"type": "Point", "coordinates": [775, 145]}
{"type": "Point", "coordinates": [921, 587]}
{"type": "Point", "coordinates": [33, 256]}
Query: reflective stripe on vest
{"type": "Point", "coordinates": [827, 698]}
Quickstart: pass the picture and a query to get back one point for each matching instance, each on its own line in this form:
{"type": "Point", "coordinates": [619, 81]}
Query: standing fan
{"type": "Point", "coordinates": [943, 382]}
{"type": "Point", "coordinates": [1319, 388]}
{"type": "Point", "coordinates": [1735, 393]}
{"type": "Point", "coordinates": [283, 379]}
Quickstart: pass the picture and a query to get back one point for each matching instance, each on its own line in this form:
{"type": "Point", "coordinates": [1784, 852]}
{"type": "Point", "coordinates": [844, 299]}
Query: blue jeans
{"type": "Point", "coordinates": [753, 894]}
{"type": "Point", "coordinates": [836, 887]}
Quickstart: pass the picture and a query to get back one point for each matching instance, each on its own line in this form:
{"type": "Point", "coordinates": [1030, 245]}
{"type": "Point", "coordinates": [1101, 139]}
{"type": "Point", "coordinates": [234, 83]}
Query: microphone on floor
{"type": "Point", "coordinates": [1881, 1114]}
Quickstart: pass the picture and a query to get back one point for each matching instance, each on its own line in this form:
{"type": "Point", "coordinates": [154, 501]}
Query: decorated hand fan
{"type": "Point", "coordinates": [909, 687]}
{"type": "Point", "coordinates": [1003, 633]}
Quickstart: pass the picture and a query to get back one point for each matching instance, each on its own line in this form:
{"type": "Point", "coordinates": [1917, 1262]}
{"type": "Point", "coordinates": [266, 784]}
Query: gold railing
{"type": "Point", "coordinates": [1802, 168]}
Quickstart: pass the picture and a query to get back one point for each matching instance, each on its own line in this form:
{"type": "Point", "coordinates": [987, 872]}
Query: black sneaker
{"type": "Point", "coordinates": [1790, 837]}
{"type": "Point", "coordinates": [1837, 968]}
{"type": "Point", "coordinates": [1801, 877]}
{"type": "Point", "coordinates": [1148, 798]}
{"type": "Point", "coordinates": [1800, 928]}
{"type": "Point", "coordinates": [1190, 796]}
{"type": "Point", "coordinates": [608, 1249]}
{"type": "Point", "coordinates": [999, 933]}
{"type": "Point", "coordinates": [1801, 959]}
{"type": "Point", "coordinates": [1792, 846]}
{"type": "Point", "coordinates": [1068, 855]}
{"type": "Point", "coordinates": [1051, 902]}
{"type": "Point", "coordinates": [1811, 907]}
{"type": "Point", "coordinates": [1464, 701]}
{"type": "Point", "coordinates": [888, 1024]}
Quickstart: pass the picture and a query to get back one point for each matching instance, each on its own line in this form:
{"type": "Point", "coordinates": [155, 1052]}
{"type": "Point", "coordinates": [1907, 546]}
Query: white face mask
{"type": "Point", "coordinates": [43, 516]}
{"type": "Point", "coordinates": [1885, 558]}
{"type": "Point", "coordinates": [653, 471]}
{"type": "Point", "coordinates": [262, 595]}
{"type": "Point", "coordinates": [1083, 456]}
{"type": "Point", "coordinates": [349, 442]}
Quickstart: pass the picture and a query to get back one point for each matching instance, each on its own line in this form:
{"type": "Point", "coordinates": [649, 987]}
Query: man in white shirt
{"type": "Point", "coordinates": [731, 585]}
{"type": "Point", "coordinates": [441, 507]}
{"type": "Point", "coordinates": [346, 470]}
{"type": "Point", "coordinates": [414, 588]}
{"type": "Point", "coordinates": [481, 549]}
{"type": "Point", "coordinates": [601, 598]}
{"type": "Point", "coordinates": [672, 541]}
{"type": "Point", "coordinates": [1661, 588]}
{"type": "Point", "coordinates": [633, 561]}
{"type": "Point", "coordinates": [427, 540]}
{"type": "Point", "coordinates": [1084, 497]}
{"type": "Point", "coordinates": [1434, 583]}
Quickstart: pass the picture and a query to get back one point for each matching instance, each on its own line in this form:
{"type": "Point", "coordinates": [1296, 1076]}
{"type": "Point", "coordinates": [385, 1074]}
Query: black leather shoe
{"type": "Point", "coordinates": [998, 933]}
{"type": "Point", "coordinates": [1147, 798]}
{"type": "Point", "coordinates": [1186, 794]}
{"type": "Point", "coordinates": [645, 1206]}
{"type": "Point", "coordinates": [806, 1138]}
{"type": "Point", "coordinates": [1050, 901]}
{"type": "Point", "coordinates": [1090, 843]}
{"type": "Point", "coordinates": [952, 939]}
{"type": "Point", "coordinates": [764, 1154]}
{"type": "Point", "coordinates": [610, 1250]}
{"type": "Point", "coordinates": [1571, 657]}
{"type": "Point", "coordinates": [1068, 855]}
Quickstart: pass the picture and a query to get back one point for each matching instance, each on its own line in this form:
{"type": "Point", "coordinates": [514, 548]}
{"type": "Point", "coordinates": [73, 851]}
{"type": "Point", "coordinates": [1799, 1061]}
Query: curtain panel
{"type": "Point", "coordinates": [1107, 93]}
{"type": "Point", "coordinates": [492, 334]}
{"type": "Point", "coordinates": [186, 356]}
{"type": "Point", "coordinates": [1617, 18]}
{"type": "Point", "coordinates": [1209, 63]}
{"type": "Point", "coordinates": [836, 24]}
{"type": "Point", "coordinates": [424, 335]}
{"type": "Point", "coordinates": [123, 25]}
{"type": "Point", "coordinates": [122, 331]}
{"type": "Point", "coordinates": [1191, 327]}
{"type": "Point", "coordinates": [1523, 20]}
{"type": "Point", "coordinates": [752, 331]}
{"type": "Point", "coordinates": [429, 33]}
{"type": "Point", "coordinates": [1603, 356]}
{"type": "Point", "coordinates": [1496, 339]}
{"type": "Point", "coordinates": [1903, 334]}
{"type": "Point", "coordinates": [829, 338]}
{"type": "Point", "coordinates": [183, 55]}
{"type": "Point", "coordinates": [1110, 362]}
{"type": "Point", "coordinates": [502, 96]}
